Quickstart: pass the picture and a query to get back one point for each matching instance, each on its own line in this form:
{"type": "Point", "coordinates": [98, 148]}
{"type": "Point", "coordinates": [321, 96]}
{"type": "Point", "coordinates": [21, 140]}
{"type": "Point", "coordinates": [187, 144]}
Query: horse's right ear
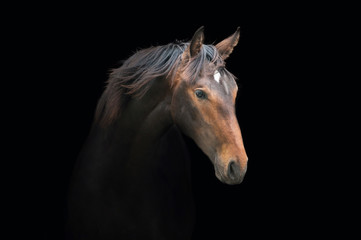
{"type": "Point", "coordinates": [196, 42]}
{"type": "Point", "coordinates": [194, 46]}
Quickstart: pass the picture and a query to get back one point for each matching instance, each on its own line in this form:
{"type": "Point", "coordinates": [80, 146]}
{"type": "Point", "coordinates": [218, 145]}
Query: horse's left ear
{"type": "Point", "coordinates": [225, 48]}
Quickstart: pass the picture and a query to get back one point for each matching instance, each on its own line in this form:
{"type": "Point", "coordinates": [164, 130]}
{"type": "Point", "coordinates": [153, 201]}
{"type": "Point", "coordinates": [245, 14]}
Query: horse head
{"type": "Point", "coordinates": [203, 105]}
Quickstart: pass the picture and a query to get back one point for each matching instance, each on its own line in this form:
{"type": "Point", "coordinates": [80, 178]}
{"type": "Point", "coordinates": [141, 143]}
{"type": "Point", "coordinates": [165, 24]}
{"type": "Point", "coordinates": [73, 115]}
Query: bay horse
{"type": "Point", "coordinates": [132, 177]}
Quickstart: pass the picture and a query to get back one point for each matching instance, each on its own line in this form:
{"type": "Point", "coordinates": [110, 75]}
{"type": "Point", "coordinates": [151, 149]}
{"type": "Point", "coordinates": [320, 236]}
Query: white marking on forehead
{"type": "Point", "coordinates": [216, 76]}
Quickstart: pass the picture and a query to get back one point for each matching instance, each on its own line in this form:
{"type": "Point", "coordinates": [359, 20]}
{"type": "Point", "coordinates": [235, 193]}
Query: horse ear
{"type": "Point", "coordinates": [195, 45]}
{"type": "Point", "coordinates": [225, 48]}
{"type": "Point", "coordinates": [196, 42]}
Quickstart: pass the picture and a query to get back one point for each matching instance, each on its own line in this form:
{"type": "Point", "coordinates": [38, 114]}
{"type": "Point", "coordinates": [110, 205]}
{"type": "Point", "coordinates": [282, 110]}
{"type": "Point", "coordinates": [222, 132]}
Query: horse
{"type": "Point", "coordinates": [132, 177]}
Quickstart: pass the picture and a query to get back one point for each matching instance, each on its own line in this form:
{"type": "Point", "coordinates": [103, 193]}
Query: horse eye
{"type": "Point", "coordinates": [200, 94]}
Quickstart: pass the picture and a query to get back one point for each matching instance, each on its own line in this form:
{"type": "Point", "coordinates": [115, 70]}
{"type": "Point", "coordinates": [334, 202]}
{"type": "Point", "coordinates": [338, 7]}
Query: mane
{"type": "Point", "coordinates": [135, 76]}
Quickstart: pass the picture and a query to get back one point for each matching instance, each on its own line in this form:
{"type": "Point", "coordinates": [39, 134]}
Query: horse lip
{"type": "Point", "coordinates": [227, 180]}
{"type": "Point", "coordinates": [220, 174]}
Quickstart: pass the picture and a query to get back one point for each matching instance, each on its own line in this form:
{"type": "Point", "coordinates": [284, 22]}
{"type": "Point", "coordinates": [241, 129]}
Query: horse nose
{"type": "Point", "coordinates": [235, 173]}
{"type": "Point", "coordinates": [233, 170]}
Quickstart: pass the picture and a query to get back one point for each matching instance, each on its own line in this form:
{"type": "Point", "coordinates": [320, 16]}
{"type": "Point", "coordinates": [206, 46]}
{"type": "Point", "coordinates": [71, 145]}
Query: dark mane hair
{"type": "Point", "coordinates": [134, 77]}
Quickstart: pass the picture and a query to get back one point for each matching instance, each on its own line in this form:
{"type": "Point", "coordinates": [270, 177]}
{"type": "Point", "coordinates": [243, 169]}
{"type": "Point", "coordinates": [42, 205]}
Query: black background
{"type": "Point", "coordinates": [62, 55]}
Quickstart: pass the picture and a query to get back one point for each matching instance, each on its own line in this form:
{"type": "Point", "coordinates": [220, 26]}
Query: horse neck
{"type": "Point", "coordinates": [142, 148]}
{"type": "Point", "coordinates": [140, 125]}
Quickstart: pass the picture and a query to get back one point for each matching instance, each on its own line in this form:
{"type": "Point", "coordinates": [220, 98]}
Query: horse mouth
{"type": "Point", "coordinates": [228, 180]}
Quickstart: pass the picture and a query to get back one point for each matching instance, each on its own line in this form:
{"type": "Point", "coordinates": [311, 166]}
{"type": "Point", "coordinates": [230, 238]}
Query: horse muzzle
{"type": "Point", "coordinates": [232, 172]}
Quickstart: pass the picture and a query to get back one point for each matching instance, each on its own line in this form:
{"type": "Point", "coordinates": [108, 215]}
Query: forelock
{"type": "Point", "coordinates": [207, 60]}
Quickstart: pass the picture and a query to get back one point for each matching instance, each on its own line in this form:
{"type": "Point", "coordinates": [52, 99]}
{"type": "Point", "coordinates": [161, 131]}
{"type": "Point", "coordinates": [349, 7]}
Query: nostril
{"type": "Point", "coordinates": [233, 170]}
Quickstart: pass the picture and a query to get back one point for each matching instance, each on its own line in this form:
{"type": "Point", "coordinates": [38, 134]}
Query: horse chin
{"type": "Point", "coordinates": [227, 180]}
